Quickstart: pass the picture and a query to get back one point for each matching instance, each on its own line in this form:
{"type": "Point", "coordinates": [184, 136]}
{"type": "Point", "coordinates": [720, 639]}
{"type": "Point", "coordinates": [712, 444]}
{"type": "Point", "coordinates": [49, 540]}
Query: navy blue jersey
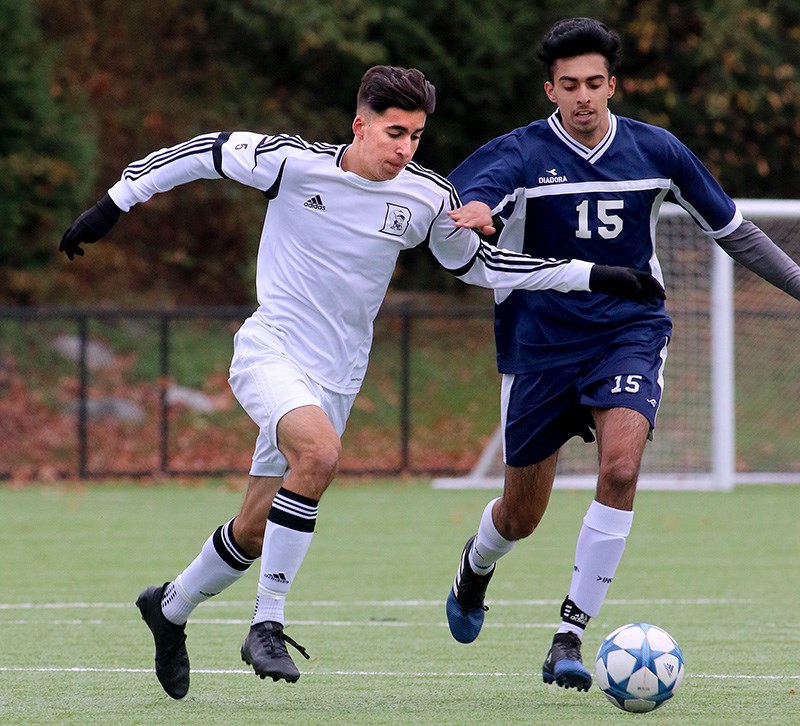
{"type": "Point", "coordinates": [558, 198]}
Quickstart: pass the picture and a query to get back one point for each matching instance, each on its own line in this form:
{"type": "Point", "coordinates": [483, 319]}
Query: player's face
{"type": "Point", "coordinates": [581, 88]}
{"type": "Point", "coordinates": [384, 143]}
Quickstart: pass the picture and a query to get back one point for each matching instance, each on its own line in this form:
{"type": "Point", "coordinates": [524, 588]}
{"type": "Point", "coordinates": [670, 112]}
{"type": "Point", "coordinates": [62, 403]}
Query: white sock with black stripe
{"type": "Point", "coordinates": [598, 553]}
{"type": "Point", "coordinates": [290, 527]}
{"type": "Point", "coordinates": [220, 563]}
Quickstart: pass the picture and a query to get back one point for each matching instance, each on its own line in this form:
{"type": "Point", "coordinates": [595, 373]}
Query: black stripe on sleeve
{"type": "Point", "coordinates": [464, 269]}
{"type": "Point", "coordinates": [216, 152]}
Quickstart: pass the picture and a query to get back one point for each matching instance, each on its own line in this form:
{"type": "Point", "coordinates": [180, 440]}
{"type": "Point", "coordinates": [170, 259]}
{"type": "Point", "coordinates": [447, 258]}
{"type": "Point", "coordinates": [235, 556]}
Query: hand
{"type": "Point", "coordinates": [474, 215]}
{"type": "Point", "coordinates": [626, 282]}
{"type": "Point", "coordinates": [90, 226]}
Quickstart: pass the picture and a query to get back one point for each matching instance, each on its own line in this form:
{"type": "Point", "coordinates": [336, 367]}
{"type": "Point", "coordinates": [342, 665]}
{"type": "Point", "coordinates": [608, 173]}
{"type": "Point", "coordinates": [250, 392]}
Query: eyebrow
{"type": "Point", "coordinates": [598, 76]}
{"type": "Point", "coordinates": [400, 127]}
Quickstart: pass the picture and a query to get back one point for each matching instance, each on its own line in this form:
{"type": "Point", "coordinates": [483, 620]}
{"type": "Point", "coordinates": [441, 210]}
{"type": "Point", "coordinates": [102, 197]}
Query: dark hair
{"type": "Point", "coordinates": [385, 87]}
{"type": "Point", "coordinates": [579, 36]}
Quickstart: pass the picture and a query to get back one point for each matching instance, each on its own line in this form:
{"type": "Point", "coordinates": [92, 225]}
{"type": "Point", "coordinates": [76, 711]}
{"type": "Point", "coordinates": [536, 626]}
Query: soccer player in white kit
{"type": "Point", "coordinates": [337, 218]}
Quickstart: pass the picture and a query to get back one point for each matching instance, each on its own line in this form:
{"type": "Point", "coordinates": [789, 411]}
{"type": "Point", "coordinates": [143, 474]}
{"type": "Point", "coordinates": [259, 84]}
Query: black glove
{"type": "Point", "coordinates": [626, 282]}
{"type": "Point", "coordinates": [93, 224]}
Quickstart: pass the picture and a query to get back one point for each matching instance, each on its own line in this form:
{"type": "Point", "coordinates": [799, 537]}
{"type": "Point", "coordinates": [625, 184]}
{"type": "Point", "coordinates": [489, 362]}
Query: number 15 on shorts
{"type": "Point", "coordinates": [627, 384]}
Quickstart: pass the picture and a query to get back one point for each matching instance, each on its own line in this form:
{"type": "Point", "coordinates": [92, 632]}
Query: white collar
{"type": "Point", "coordinates": [591, 155]}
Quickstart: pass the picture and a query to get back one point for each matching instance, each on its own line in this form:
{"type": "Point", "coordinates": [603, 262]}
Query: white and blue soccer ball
{"type": "Point", "coordinates": [639, 667]}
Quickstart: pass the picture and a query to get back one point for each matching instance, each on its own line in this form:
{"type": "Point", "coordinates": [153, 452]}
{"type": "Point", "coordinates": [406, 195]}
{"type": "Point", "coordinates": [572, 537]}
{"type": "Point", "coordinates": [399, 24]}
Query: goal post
{"type": "Point", "coordinates": [732, 360]}
{"type": "Point", "coordinates": [723, 412]}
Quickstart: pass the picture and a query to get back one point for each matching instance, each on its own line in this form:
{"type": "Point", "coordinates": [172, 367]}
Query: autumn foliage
{"type": "Point", "coordinates": [100, 83]}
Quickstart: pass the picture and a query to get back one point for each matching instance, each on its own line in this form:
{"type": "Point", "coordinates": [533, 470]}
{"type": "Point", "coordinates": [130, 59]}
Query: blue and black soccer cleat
{"type": "Point", "coordinates": [465, 608]}
{"type": "Point", "coordinates": [563, 664]}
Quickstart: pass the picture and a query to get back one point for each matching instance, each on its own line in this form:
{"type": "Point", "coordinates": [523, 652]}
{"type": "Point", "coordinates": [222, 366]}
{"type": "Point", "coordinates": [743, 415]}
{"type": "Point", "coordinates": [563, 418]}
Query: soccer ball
{"type": "Point", "coordinates": [639, 667]}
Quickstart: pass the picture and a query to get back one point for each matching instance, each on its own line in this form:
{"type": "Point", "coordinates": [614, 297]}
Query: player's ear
{"type": "Point", "coordinates": [549, 89]}
{"type": "Point", "coordinates": [612, 85]}
{"type": "Point", "coordinates": [358, 126]}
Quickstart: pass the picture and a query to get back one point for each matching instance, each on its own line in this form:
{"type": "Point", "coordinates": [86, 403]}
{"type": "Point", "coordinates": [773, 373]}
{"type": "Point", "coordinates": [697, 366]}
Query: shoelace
{"type": "Point", "coordinates": [294, 644]}
{"type": "Point", "coordinates": [473, 605]}
{"type": "Point", "coordinates": [570, 651]}
{"type": "Point", "coordinates": [265, 635]}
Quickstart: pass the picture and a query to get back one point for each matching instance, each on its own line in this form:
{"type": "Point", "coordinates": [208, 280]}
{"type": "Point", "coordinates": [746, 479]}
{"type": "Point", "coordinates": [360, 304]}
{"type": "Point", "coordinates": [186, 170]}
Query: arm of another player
{"type": "Point", "coordinates": [474, 215]}
{"type": "Point", "coordinates": [702, 195]}
{"type": "Point", "coordinates": [499, 268]}
{"type": "Point", "coordinates": [751, 247]}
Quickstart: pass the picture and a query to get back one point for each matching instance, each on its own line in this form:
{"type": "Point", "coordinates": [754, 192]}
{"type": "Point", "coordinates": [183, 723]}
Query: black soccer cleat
{"type": "Point", "coordinates": [563, 664]}
{"type": "Point", "coordinates": [465, 608]}
{"type": "Point", "coordinates": [172, 660]}
{"type": "Point", "coordinates": [264, 648]}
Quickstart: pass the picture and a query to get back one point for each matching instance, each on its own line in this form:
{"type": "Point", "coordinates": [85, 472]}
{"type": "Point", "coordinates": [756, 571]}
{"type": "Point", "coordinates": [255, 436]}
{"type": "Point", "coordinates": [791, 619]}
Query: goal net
{"type": "Point", "coordinates": [729, 413]}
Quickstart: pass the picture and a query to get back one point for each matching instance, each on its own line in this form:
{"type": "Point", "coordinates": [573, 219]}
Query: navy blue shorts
{"type": "Point", "coordinates": [541, 411]}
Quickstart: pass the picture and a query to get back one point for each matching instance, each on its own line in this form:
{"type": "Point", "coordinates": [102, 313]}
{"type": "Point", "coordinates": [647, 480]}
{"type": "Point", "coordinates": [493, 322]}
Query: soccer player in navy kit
{"type": "Point", "coordinates": [583, 183]}
{"type": "Point", "coordinates": [337, 218]}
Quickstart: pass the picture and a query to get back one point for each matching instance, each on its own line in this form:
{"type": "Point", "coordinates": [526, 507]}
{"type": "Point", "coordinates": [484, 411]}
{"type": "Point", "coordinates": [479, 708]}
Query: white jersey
{"type": "Point", "coordinates": [331, 238]}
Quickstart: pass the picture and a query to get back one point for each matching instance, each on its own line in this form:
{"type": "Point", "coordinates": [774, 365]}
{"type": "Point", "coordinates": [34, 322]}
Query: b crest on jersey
{"type": "Point", "coordinates": [397, 219]}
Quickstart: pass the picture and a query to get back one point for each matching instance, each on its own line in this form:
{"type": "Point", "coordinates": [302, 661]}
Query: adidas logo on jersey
{"type": "Point", "coordinates": [553, 178]}
{"type": "Point", "coordinates": [315, 203]}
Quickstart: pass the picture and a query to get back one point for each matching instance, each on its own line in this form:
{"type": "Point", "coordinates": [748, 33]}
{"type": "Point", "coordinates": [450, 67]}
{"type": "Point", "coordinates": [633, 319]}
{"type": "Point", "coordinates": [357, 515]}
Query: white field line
{"type": "Point", "coordinates": [378, 603]}
{"type": "Point", "coordinates": [240, 622]}
{"type": "Point", "coordinates": [326, 623]}
{"type": "Point", "coordinates": [349, 623]}
{"type": "Point", "coordinates": [380, 674]}
{"type": "Point", "coordinates": [338, 603]}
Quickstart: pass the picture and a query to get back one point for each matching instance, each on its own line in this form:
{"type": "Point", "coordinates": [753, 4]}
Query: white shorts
{"type": "Point", "coordinates": [268, 384]}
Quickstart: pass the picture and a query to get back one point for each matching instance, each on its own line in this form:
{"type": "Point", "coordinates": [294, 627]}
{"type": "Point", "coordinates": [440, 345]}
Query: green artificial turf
{"type": "Point", "coordinates": [717, 570]}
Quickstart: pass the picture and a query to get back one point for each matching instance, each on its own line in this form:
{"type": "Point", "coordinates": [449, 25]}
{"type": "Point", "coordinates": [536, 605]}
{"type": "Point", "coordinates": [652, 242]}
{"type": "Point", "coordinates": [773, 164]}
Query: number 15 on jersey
{"type": "Point", "coordinates": [609, 225]}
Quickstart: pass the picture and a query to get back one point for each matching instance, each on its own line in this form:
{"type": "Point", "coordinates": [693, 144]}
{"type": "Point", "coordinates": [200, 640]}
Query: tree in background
{"type": "Point", "coordinates": [45, 154]}
{"type": "Point", "coordinates": [724, 76]}
{"type": "Point", "coordinates": [721, 74]}
{"type": "Point", "coordinates": [306, 59]}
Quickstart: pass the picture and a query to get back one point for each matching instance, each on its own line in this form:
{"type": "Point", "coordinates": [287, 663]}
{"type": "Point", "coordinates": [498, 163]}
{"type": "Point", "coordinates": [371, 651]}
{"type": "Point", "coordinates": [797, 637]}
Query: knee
{"type": "Point", "coordinates": [318, 462]}
{"type": "Point", "coordinates": [619, 475]}
{"type": "Point", "coordinates": [616, 485]}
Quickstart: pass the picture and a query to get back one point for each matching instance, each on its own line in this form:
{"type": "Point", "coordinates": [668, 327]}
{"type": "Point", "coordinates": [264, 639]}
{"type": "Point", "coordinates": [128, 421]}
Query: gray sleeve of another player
{"type": "Point", "coordinates": [752, 248]}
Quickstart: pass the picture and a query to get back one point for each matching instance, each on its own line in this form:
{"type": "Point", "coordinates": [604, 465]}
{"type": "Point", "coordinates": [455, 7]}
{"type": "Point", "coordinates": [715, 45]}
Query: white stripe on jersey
{"type": "Point", "coordinates": [547, 190]}
{"type": "Point", "coordinates": [628, 185]}
{"type": "Point", "coordinates": [701, 222]}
